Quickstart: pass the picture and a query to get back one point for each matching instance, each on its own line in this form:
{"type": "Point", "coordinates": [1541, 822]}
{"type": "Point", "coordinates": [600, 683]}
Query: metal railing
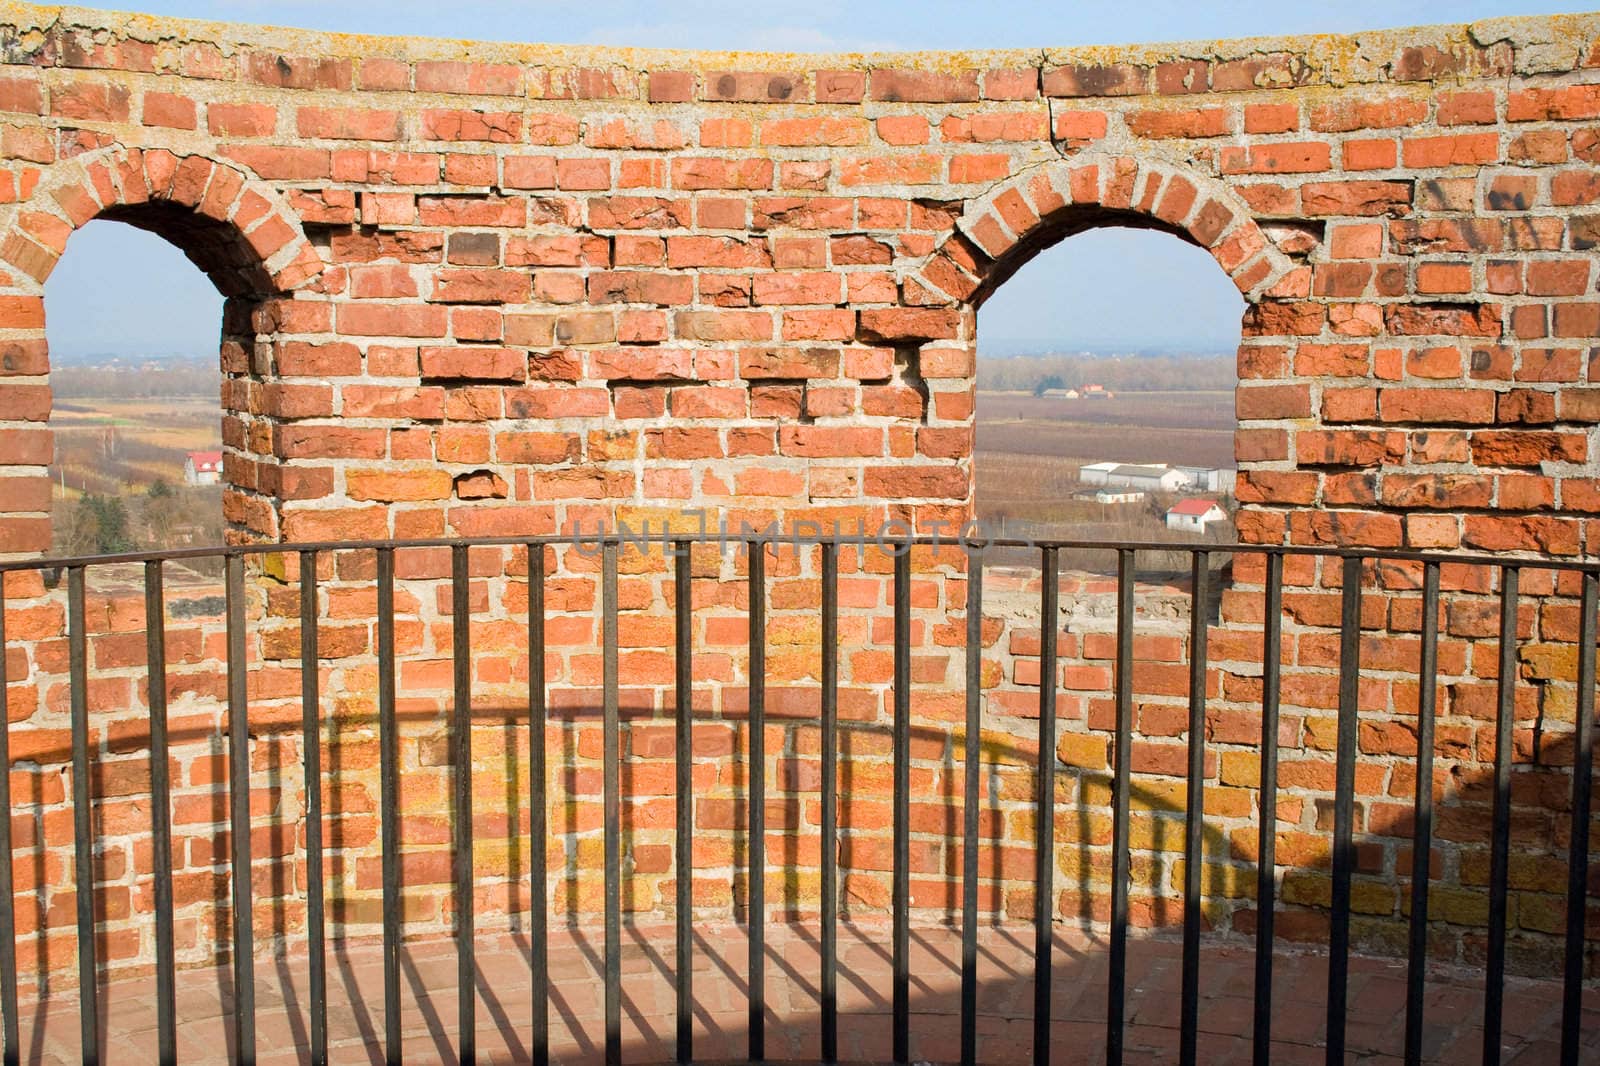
{"type": "Point", "coordinates": [1350, 564]}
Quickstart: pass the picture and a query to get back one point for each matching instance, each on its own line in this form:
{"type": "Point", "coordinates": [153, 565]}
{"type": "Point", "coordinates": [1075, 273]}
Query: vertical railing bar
{"type": "Point", "coordinates": [11, 1046]}
{"type": "Point", "coordinates": [683, 685]}
{"type": "Point", "coordinates": [538, 810]}
{"type": "Point", "coordinates": [901, 886]}
{"type": "Point", "coordinates": [1422, 829]}
{"type": "Point", "coordinates": [1045, 809]}
{"type": "Point", "coordinates": [461, 759]}
{"type": "Point", "coordinates": [1578, 845]}
{"type": "Point", "coordinates": [244, 976]}
{"type": "Point", "coordinates": [155, 629]}
{"type": "Point", "coordinates": [1194, 821]}
{"type": "Point", "coordinates": [757, 911]}
{"type": "Point", "coordinates": [969, 839]}
{"type": "Point", "coordinates": [82, 825]}
{"type": "Point", "coordinates": [830, 802]}
{"type": "Point", "coordinates": [1344, 807]}
{"type": "Point", "coordinates": [1500, 833]}
{"type": "Point", "coordinates": [611, 774]}
{"type": "Point", "coordinates": [311, 733]}
{"type": "Point", "coordinates": [1117, 975]}
{"type": "Point", "coordinates": [389, 816]}
{"type": "Point", "coordinates": [1267, 830]}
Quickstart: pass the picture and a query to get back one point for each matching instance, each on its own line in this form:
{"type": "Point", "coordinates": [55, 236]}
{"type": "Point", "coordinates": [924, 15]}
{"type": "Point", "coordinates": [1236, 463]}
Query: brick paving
{"type": "Point", "coordinates": [355, 1003]}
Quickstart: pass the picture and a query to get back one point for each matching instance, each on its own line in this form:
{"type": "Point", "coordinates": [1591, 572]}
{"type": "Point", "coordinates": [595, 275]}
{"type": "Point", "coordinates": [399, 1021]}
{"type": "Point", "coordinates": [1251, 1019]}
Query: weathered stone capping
{"type": "Point", "coordinates": [503, 290]}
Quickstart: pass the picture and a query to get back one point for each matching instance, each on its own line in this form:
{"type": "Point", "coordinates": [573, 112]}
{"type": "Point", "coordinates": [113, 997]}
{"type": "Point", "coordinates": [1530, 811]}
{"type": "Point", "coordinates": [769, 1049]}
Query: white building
{"type": "Point", "coordinates": [1194, 515]}
{"type": "Point", "coordinates": [1210, 479]}
{"type": "Point", "coordinates": [202, 468]}
{"type": "Point", "coordinates": [1155, 478]}
{"type": "Point", "coordinates": [1118, 496]}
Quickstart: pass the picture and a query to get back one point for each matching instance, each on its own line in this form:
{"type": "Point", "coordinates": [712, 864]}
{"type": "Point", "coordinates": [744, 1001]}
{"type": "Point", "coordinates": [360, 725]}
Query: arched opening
{"type": "Point", "coordinates": [133, 330]}
{"type": "Point", "coordinates": [241, 235]}
{"type": "Point", "coordinates": [1000, 233]}
{"type": "Point", "coordinates": [1105, 376]}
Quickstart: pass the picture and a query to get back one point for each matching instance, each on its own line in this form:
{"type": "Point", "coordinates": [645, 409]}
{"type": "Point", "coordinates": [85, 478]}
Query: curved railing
{"type": "Point", "coordinates": [1401, 576]}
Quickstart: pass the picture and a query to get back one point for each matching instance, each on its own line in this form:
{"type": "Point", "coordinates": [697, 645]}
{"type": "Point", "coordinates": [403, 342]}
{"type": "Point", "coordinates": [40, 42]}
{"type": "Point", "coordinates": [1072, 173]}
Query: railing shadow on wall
{"type": "Point", "coordinates": [621, 778]}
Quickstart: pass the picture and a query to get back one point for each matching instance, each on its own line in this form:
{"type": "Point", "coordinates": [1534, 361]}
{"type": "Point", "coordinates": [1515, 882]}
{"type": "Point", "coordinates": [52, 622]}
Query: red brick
{"type": "Point", "coordinates": [711, 173]}
{"type": "Point", "coordinates": [1554, 105]}
{"type": "Point", "coordinates": [347, 123]}
{"type": "Point", "coordinates": [1356, 198]}
{"type": "Point", "coordinates": [1079, 125]}
{"type": "Point", "coordinates": [671, 86]}
{"type": "Point", "coordinates": [241, 120]}
{"type": "Point", "coordinates": [171, 110]}
{"type": "Point", "coordinates": [1370, 154]}
{"type": "Point", "coordinates": [1463, 149]}
{"type": "Point", "coordinates": [1271, 118]}
{"type": "Point", "coordinates": [1198, 122]}
{"type": "Point", "coordinates": [499, 127]}
{"type": "Point", "coordinates": [482, 79]}
{"type": "Point", "coordinates": [299, 72]}
{"type": "Point", "coordinates": [281, 163]}
{"type": "Point", "coordinates": [754, 87]}
{"type": "Point", "coordinates": [1434, 278]}
{"type": "Point", "coordinates": [481, 286]}
{"type": "Point", "coordinates": [891, 170]}
{"type": "Point", "coordinates": [923, 86]}
{"type": "Point", "coordinates": [393, 320]}
{"type": "Point", "coordinates": [988, 127]}
{"type": "Point", "coordinates": [1466, 108]}
{"type": "Point", "coordinates": [1123, 79]}
{"type": "Point", "coordinates": [398, 485]}
{"type": "Point", "coordinates": [841, 86]}
{"type": "Point", "coordinates": [91, 101]}
{"type": "Point", "coordinates": [1439, 406]}
{"type": "Point", "coordinates": [23, 93]}
{"type": "Point", "coordinates": [1304, 157]}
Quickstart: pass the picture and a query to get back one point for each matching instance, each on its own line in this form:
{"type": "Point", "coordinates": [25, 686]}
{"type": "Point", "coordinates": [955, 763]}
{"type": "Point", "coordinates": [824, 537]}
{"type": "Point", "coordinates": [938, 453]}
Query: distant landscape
{"type": "Point", "coordinates": [124, 427]}
{"type": "Point", "coordinates": [123, 430]}
{"type": "Point", "coordinates": [1031, 441]}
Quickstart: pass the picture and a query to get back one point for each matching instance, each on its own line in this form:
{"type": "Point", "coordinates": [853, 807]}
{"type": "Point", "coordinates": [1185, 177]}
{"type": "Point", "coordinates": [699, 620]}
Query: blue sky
{"type": "Point", "coordinates": [121, 290]}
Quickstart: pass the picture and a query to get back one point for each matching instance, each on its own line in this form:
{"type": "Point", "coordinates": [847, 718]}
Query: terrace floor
{"type": "Point", "coordinates": [428, 971]}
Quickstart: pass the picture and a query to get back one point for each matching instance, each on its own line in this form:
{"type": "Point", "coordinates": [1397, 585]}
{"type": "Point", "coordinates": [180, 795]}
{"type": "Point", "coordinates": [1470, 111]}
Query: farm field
{"type": "Point", "coordinates": [112, 446]}
{"type": "Point", "coordinates": [1028, 450]}
{"type": "Point", "coordinates": [112, 451]}
{"type": "Point", "coordinates": [1191, 427]}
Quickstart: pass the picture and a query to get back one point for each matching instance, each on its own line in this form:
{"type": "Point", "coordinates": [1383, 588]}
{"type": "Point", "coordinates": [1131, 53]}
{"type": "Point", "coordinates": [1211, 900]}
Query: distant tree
{"type": "Point", "coordinates": [1048, 382]}
{"type": "Point", "coordinates": [100, 525]}
{"type": "Point", "coordinates": [114, 533]}
{"type": "Point", "coordinates": [76, 529]}
{"type": "Point", "coordinates": [1120, 373]}
{"type": "Point", "coordinates": [160, 513]}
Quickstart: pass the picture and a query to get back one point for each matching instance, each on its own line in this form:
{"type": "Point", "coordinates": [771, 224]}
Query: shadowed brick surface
{"type": "Point", "coordinates": [1005, 1003]}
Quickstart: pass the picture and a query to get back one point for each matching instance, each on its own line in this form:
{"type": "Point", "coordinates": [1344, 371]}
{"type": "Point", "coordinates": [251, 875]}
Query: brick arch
{"type": "Point", "coordinates": [1001, 230]}
{"type": "Point", "coordinates": [236, 229]}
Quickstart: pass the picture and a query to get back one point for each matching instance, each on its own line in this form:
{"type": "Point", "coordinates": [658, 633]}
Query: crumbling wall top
{"type": "Point", "coordinates": [1490, 48]}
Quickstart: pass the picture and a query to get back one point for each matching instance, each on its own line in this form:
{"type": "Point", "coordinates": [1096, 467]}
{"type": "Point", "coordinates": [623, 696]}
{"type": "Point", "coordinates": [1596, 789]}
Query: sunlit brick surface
{"type": "Point", "coordinates": [512, 288]}
{"type": "Point", "coordinates": [537, 288]}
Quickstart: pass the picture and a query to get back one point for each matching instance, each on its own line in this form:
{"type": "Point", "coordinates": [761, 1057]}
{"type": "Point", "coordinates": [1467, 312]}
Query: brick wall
{"type": "Point", "coordinates": [530, 288]}
{"type": "Point", "coordinates": [543, 285]}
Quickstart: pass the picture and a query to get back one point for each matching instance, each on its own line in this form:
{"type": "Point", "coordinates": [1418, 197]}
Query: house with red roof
{"type": "Point", "coordinates": [1194, 515]}
{"type": "Point", "coordinates": [203, 468]}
